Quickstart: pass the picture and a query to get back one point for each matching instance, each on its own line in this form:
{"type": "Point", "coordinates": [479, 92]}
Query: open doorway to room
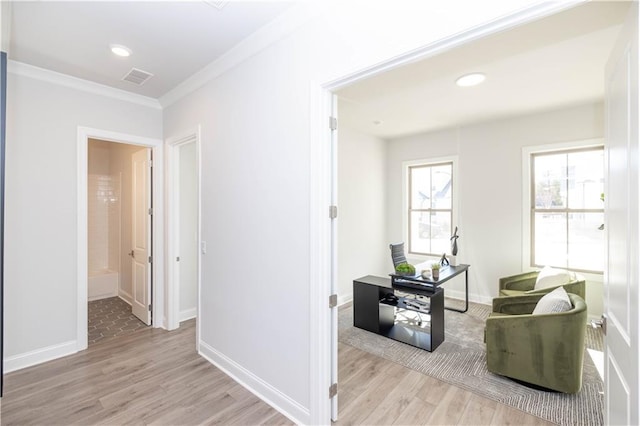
{"type": "Point", "coordinates": [147, 290]}
{"type": "Point", "coordinates": [545, 84]}
{"type": "Point", "coordinates": [184, 245]}
{"type": "Point", "coordinates": [119, 216]}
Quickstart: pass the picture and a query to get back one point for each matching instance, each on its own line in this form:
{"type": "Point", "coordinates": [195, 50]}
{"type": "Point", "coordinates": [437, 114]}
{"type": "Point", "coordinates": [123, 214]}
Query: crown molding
{"type": "Point", "coordinates": [26, 70]}
{"type": "Point", "coordinates": [253, 44]}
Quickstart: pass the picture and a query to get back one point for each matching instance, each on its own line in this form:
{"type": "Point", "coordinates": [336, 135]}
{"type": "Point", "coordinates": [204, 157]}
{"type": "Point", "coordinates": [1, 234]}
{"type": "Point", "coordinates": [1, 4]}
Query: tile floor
{"type": "Point", "coordinates": [111, 317]}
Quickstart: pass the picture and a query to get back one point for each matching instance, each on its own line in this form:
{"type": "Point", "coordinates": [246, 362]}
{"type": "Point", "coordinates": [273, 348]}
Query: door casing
{"type": "Point", "coordinates": [157, 184]}
{"type": "Point", "coordinates": [322, 168]}
{"type": "Point", "coordinates": [173, 232]}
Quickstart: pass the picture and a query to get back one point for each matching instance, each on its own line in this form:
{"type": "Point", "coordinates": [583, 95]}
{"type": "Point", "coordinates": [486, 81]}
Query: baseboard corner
{"type": "Point", "coordinates": [254, 384]}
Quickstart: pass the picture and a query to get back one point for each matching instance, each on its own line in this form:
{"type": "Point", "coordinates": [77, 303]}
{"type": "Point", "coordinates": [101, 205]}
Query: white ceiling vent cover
{"type": "Point", "coordinates": [218, 4]}
{"type": "Point", "coordinates": [137, 76]}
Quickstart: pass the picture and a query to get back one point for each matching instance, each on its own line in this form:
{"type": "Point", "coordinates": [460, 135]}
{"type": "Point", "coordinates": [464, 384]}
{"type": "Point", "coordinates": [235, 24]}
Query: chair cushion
{"type": "Point", "coordinates": [552, 277]}
{"type": "Point", "coordinates": [553, 302]}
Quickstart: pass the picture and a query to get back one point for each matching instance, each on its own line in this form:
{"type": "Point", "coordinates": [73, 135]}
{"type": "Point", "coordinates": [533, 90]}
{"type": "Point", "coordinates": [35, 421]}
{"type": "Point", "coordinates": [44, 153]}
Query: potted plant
{"type": "Point", "coordinates": [405, 269]}
{"type": "Point", "coordinates": [435, 271]}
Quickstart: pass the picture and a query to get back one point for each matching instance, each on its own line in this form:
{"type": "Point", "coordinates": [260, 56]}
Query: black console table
{"type": "Point", "coordinates": [446, 273]}
{"type": "Point", "coordinates": [375, 305]}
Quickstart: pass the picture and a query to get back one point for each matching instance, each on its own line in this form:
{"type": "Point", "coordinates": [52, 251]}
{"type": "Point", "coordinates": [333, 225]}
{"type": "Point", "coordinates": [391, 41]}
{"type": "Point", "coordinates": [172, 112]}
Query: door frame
{"type": "Point", "coordinates": [157, 190]}
{"type": "Point", "coordinates": [323, 171]}
{"type": "Point", "coordinates": [173, 145]}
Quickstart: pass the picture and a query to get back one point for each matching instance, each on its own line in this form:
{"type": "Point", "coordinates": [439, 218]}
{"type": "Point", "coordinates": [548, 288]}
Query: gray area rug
{"type": "Point", "coordinates": [460, 360]}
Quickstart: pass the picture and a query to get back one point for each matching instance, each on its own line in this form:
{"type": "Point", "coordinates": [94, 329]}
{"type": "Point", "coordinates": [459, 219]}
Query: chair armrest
{"type": "Point", "coordinates": [521, 282]}
{"type": "Point", "coordinates": [546, 350]}
{"type": "Point", "coordinates": [516, 305]}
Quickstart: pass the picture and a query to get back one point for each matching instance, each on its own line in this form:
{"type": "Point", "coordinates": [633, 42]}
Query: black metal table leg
{"type": "Point", "coordinates": [466, 295]}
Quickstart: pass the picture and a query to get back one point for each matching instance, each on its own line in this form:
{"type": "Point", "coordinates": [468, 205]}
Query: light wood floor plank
{"type": "Point", "coordinates": [156, 377]}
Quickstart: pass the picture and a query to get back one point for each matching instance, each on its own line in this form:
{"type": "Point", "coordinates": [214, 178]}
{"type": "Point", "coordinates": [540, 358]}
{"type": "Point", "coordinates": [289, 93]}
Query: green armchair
{"type": "Point", "coordinates": [546, 350]}
{"type": "Point", "coordinates": [520, 284]}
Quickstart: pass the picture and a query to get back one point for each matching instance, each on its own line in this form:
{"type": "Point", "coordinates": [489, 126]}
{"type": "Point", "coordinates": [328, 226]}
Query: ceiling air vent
{"type": "Point", "coordinates": [137, 76]}
{"type": "Point", "coordinates": [218, 4]}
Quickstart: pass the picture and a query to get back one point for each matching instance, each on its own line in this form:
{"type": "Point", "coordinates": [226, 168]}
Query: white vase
{"type": "Point", "coordinates": [452, 260]}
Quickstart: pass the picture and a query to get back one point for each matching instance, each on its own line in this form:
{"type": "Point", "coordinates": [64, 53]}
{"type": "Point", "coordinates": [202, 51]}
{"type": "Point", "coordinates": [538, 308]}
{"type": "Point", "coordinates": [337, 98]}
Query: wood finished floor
{"type": "Point", "coordinates": [156, 377]}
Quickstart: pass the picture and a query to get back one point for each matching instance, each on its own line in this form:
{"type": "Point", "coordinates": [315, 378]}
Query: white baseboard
{"type": "Point", "coordinates": [344, 298]}
{"type": "Point", "coordinates": [188, 314]}
{"type": "Point", "coordinates": [457, 294]}
{"type": "Point", "coordinates": [27, 359]}
{"type": "Point", "coordinates": [254, 384]}
{"type": "Point", "coordinates": [125, 296]}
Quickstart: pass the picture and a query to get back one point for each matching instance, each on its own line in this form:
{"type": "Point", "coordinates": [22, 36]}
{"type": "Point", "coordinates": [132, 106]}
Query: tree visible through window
{"type": "Point", "coordinates": [430, 209]}
{"type": "Point", "coordinates": [567, 209]}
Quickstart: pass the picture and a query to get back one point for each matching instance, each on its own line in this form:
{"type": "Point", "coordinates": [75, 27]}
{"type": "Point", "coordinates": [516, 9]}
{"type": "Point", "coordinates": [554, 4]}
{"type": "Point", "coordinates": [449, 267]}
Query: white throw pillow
{"type": "Point", "coordinates": [552, 277]}
{"type": "Point", "coordinates": [555, 301]}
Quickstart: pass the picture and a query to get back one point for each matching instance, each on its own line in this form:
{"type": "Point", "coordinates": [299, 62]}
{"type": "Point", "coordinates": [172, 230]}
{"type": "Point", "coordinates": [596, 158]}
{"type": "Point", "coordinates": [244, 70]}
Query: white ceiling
{"type": "Point", "coordinates": [170, 39]}
{"type": "Point", "coordinates": [554, 62]}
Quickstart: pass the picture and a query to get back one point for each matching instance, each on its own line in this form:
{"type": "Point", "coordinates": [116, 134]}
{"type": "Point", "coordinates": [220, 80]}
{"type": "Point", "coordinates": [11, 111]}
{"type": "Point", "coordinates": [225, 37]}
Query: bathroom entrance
{"type": "Point", "coordinates": [119, 208]}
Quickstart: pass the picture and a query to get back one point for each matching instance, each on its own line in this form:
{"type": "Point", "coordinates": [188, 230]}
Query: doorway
{"type": "Point", "coordinates": [150, 298]}
{"type": "Point", "coordinates": [330, 164]}
{"type": "Point", "coordinates": [119, 230]}
{"type": "Point", "coordinates": [184, 245]}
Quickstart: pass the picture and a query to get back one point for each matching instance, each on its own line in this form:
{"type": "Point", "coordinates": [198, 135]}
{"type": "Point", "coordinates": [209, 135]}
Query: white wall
{"type": "Point", "coordinates": [363, 247]}
{"type": "Point", "coordinates": [41, 215]}
{"type": "Point", "coordinates": [490, 185]}
{"type": "Point", "coordinates": [188, 187]}
{"type": "Point", "coordinates": [103, 210]}
{"type": "Point", "coordinates": [256, 137]}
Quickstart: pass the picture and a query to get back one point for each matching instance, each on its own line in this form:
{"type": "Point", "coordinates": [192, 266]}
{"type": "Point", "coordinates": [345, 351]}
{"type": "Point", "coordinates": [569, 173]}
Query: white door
{"type": "Point", "coordinates": [141, 235]}
{"type": "Point", "coordinates": [622, 229]}
{"type": "Point", "coordinates": [188, 230]}
{"type": "Point", "coordinates": [334, 257]}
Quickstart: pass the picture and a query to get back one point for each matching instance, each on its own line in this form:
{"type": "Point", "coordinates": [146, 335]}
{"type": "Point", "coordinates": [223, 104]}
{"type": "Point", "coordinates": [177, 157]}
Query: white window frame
{"type": "Point", "coordinates": [527, 152]}
{"type": "Point", "coordinates": [405, 197]}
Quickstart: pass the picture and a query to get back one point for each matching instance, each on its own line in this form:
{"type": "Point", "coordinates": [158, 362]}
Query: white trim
{"type": "Point", "coordinates": [344, 299]}
{"type": "Point", "coordinates": [320, 273]}
{"type": "Point", "coordinates": [60, 79]}
{"type": "Point", "coordinates": [188, 314]}
{"type": "Point", "coordinates": [254, 384]}
{"type": "Point", "coordinates": [321, 337]}
{"type": "Point", "coordinates": [84, 134]}
{"type": "Point", "coordinates": [174, 316]}
{"type": "Point", "coordinates": [128, 302]}
{"type": "Point", "coordinates": [453, 159]}
{"type": "Point", "coordinates": [250, 46]}
{"type": "Point", "coordinates": [5, 26]}
{"type": "Point", "coordinates": [527, 151]}
{"type": "Point", "coordinates": [38, 356]}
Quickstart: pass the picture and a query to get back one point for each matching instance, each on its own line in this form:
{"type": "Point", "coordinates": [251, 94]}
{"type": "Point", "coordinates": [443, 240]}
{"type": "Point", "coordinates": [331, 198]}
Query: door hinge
{"type": "Point", "coordinates": [149, 306]}
{"type": "Point", "coordinates": [151, 211]}
{"type": "Point", "coordinates": [177, 258]}
{"type": "Point", "coordinates": [333, 123]}
{"type": "Point", "coordinates": [150, 259]}
{"type": "Point", "coordinates": [333, 390]}
{"type": "Point", "coordinates": [333, 301]}
{"type": "Point", "coordinates": [333, 212]}
{"type": "Point", "coordinates": [150, 163]}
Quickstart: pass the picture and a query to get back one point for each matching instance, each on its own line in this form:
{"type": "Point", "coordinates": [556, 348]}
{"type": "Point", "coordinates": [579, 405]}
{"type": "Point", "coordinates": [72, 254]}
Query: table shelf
{"type": "Point", "coordinates": [373, 311]}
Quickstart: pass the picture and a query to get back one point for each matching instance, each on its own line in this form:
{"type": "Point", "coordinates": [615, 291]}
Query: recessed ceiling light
{"type": "Point", "coordinates": [472, 79]}
{"type": "Point", "coordinates": [120, 50]}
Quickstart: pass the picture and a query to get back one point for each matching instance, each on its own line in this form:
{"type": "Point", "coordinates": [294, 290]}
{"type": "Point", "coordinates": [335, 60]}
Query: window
{"type": "Point", "coordinates": [430, 207]}
{"type": "Point", "coordinates": [567, 209]}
